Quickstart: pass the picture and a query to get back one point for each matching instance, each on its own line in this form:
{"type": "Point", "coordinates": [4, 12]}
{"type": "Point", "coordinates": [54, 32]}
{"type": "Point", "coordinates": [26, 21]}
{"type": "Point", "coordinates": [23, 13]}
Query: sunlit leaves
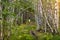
{"type": "Point", "coordinates": [22, 32]}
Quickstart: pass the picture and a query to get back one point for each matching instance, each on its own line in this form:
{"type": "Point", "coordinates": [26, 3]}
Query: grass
{"type": "Point", "coordinates": [22, 32]}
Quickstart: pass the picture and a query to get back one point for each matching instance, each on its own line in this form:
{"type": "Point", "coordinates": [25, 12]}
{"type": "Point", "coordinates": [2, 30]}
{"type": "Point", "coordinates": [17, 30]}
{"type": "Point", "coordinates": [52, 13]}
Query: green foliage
{"type": "Point", "coordinates": [56, 37]}
{"type": "Point", "coordinates": [22, 32]}
{"type": "Point", "coordinates": [48, 36]}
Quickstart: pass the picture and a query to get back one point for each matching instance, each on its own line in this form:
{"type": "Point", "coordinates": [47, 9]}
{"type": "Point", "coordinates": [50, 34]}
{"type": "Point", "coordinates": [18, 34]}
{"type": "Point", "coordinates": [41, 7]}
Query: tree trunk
{"type": "Point", "coordinates": [46, 15]}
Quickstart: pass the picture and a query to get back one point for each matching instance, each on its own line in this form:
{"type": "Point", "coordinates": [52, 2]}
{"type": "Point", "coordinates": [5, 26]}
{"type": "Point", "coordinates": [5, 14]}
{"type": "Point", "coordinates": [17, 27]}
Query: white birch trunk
{"type": "Point", "coordinates": [39, 15]}
{"type": "Point", "coordinates": [56, 16]}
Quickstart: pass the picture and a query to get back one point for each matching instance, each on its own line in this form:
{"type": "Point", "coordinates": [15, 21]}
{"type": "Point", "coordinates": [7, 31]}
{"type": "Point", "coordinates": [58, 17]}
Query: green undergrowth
{"type": "Point", "coordinates": [22, 32]}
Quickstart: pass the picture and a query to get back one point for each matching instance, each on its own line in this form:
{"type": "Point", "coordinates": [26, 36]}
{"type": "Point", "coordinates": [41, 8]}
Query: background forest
{"type": "Point", "coordinates": [29, 19]}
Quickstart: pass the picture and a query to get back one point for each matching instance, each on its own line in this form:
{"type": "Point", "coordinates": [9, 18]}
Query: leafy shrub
{"type": "Point", "coordinates": [22, 32]}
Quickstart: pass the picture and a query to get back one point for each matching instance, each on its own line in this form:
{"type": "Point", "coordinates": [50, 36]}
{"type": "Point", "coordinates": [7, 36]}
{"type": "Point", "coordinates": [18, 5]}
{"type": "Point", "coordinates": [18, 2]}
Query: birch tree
{"type": "Point", "coordinates": [46, 15]}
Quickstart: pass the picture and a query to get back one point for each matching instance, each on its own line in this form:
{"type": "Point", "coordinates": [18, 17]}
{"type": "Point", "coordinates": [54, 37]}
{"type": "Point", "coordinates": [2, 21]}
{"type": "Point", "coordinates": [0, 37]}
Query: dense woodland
{"type": "Point", "coordinates": [29, 19]}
